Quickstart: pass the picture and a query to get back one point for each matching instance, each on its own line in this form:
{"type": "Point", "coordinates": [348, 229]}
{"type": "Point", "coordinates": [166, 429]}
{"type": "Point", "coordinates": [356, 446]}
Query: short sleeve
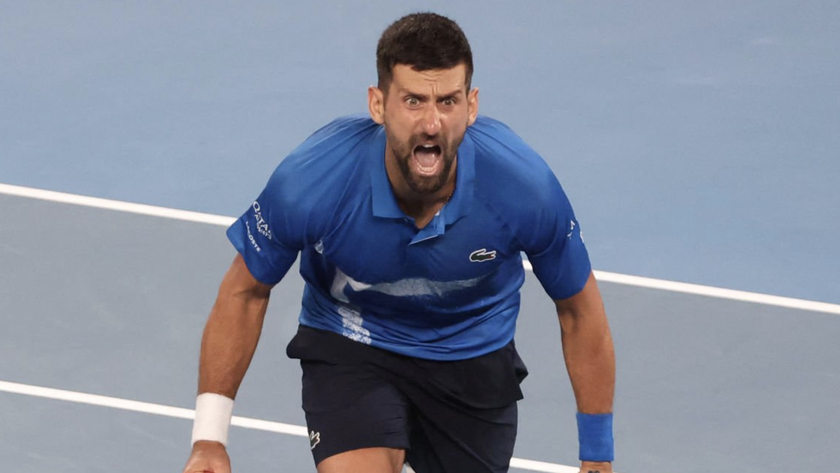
{"type": "Point", "coordinates": [555, 246]}
{"type": "Point", "coordinates": [266, 234]}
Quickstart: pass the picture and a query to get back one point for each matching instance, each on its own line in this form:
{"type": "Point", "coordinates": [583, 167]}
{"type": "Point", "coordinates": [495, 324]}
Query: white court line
{"type": "Point", "coordinates": [144, 407]}
{"type": "Point", "coordinates": [710, 291]}
{"type": "Point", "coordinates": [719, 292]}
{"type": "Point", "coordinates": [638, 281]}
{"type": "Point", "coordinates": [117, 205]}
{"type": "Point", "coordinates": [181, 413]}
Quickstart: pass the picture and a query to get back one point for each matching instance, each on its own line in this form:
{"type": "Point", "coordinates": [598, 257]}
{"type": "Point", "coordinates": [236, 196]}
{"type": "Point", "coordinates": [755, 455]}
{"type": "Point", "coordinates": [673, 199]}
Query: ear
{"type": "Point", "coordinates": [472, 105]}
{"type": "Point", "coordinates": [376, 104]}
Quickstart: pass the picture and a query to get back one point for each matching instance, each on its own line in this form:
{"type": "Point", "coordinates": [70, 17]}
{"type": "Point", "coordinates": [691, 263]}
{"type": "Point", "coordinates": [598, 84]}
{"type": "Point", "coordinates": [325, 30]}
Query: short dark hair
{"type": "Point", "coordinates": [423, 41]}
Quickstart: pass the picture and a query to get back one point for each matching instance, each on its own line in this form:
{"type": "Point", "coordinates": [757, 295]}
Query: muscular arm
{"type": "Point", "coordinates": [588, 349]}
{"type": "Point", "coordinates": [232, 331]}
{"type": "Point", "coordinates": [589, 355]}
{"type": "Point", "coordinates": [230, 339]}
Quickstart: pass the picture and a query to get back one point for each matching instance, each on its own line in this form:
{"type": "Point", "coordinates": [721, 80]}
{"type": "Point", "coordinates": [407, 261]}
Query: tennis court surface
{"type": "Point", "coordinates": [697, 143]}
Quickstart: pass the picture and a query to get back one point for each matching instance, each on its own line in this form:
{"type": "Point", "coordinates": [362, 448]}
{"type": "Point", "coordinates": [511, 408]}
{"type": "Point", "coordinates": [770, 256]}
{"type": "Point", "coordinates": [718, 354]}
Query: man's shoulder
{"type": "Point", "coordinates": [488, 129]}
{"type": "Point", "coordinates": [348, 125]}
{"type": "Point", "coordinates": [340, 135]}
{"type": "Point", "coordinates": [333, 157]}
{"type": "Point", "coordinates": [506, 157]}
{"type": "Point", "coordinates": [333, 146]}
{"type": "Point", "coordinates": [497, 141]}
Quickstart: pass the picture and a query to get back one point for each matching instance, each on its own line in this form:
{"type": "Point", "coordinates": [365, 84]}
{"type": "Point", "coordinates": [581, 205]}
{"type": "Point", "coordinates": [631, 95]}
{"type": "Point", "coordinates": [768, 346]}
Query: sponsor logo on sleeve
{"type": "Point", "coordinates": [251, 237]}
{"type": "Point", "coordinates": [262, 225]}
{"type": "Point", "coordinates": [572, 225]}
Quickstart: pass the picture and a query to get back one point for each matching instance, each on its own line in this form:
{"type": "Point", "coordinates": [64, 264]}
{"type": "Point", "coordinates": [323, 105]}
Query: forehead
{"type": "Point", "coordinates": [443, 81]}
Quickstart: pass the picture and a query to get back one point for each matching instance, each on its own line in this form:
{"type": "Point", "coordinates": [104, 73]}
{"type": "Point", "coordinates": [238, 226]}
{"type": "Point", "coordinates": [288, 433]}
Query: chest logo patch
{"type": "Point", "coordinates": [479, 256]}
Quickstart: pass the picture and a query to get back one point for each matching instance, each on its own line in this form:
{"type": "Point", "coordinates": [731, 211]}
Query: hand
{"type": "Point", "coordinates": [208, 457]}
{"type": "Point", "coordinates": [596, 467]}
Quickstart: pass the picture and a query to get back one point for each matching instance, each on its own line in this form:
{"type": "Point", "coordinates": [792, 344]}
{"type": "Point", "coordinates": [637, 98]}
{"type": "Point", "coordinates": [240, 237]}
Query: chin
{"type": "Point", "coordinates": [426, 185]}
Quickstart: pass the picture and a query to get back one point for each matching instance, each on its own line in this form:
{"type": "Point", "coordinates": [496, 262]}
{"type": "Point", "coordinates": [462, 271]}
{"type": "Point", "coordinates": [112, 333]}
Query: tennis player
{"type": "Point", "coordinates": [410, 222]}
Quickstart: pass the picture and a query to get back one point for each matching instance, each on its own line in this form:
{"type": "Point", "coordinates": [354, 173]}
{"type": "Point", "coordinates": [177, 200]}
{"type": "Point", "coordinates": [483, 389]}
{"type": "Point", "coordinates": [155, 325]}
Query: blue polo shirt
{"type": "Point", "coordinates": [447, 291]}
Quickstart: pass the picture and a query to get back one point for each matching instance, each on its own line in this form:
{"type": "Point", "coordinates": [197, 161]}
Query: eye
{"type": "Point", "coordinates": [449, 102]}
{"type": "Point", "coordinates": [412, 101]}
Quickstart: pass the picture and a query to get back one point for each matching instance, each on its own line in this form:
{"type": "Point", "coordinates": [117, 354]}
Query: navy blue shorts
{"type": "Point", "coordinates": [449, 416]}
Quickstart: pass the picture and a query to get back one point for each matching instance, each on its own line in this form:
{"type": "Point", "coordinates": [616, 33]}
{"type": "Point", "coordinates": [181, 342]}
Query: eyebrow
{"type": "Point", "coordinates": [450, 95]}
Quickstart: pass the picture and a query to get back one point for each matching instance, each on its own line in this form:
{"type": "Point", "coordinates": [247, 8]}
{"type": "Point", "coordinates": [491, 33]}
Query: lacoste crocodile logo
{"type": "Point", "coordinates": [481, 255]}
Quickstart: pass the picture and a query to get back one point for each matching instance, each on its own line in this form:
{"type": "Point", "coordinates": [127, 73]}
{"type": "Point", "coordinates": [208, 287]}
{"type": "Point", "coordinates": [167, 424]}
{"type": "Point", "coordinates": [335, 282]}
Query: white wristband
{"type": "Point", "coordinates": [212, 418]}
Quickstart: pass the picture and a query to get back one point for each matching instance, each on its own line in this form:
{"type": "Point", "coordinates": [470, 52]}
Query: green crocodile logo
{"type": "Point", "coordinates": [481, 255]}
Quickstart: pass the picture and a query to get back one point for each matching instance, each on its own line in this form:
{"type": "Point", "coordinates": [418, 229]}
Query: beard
{"type": "Point", "coordinates": [404, 151]}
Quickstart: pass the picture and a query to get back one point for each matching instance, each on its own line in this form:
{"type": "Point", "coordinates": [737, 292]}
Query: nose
{"type": "Point", "coordinates": [431, 120]}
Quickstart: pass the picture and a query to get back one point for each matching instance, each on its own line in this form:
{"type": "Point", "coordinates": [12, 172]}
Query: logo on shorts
{"type": "Point", "coordinates": [481, 255]}
{"type": "Point", "coordinates": [314, 439]}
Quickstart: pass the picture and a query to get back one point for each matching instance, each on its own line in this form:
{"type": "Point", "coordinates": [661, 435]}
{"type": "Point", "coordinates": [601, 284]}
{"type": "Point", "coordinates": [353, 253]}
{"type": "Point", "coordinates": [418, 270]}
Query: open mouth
{"type": "Point", "coordinates": [428, 159]}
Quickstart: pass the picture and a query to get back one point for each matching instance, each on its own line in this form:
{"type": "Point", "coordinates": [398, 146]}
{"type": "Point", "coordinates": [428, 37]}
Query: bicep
{"type": "Point", "coordinates": [585, 306]}
{"type": "Point", "coordinates": [240, 282]}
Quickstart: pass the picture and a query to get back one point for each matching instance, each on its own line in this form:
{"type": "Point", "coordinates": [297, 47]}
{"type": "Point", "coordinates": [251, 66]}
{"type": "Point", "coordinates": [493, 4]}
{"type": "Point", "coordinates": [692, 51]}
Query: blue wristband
{"type": "Point", "coordinates": [595, 435]}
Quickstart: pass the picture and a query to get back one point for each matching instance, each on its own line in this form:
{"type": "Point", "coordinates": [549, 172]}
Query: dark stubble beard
{"type": "Point", "coordinates": [403, 151]}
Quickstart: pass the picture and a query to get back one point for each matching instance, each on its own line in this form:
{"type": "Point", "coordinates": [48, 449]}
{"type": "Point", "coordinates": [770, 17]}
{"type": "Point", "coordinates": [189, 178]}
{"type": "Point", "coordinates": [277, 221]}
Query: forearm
{"type": "Point", "coordinates": [590, 361]}
{"type": "Point", "coordinates": [588, 350]}
{"type": "Point", "coordinates": [231, 334]}
{"type": "Point", "coordinates": [227, 346]}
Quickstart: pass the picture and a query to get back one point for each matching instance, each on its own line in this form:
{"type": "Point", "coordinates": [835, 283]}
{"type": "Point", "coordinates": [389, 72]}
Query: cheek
{"type": "Point", "coordinates": [399, 122]}
{"type": "Point", "coordinates": [458, 118]}
{"type": "Point", "coordinates": [456, 125]}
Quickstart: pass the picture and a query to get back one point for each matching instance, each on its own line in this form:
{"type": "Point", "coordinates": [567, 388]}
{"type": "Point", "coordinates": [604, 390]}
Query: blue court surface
{"type": "Point", "coordinates": [698, 143]}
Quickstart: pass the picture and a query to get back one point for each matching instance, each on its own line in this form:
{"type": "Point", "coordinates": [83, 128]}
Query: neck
{"type": "Point", "coordinates": [422, 207]}
{"type": "Point", "coordinates": [418, 208]}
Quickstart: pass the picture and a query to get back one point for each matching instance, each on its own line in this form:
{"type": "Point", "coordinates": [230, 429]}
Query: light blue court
{"type": "Point", "coordinates": [697, 141]}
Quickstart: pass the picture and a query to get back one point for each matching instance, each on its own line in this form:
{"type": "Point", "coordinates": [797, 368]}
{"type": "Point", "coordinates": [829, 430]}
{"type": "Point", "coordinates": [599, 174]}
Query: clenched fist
{"type": "Point", "coordinates": [208, 457]}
